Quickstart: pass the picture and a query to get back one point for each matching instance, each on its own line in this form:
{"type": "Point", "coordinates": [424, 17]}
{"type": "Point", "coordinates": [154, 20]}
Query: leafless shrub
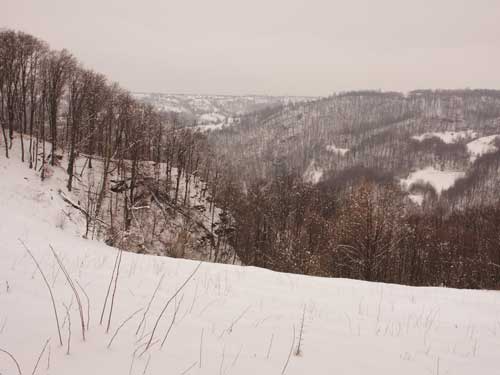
{"type": "Point", "coordinates": [290, 353]}
{"type": "Point", "coordinates": [121, 325]}
{"type": "Point", "coordinates": [236, 357]}
{"type": "Point", "coordinates": [69, 328]}
{"type": "Point", "coordinates": [131, 364]}
{"type": "Point", "coordinates": [143, 345]}
{"type": "Point", "coordinates": [166, 305]}
{"type": "Point", "coordinates": [40, 356]}
{"type": "Point", "coordinates": [88, 303]}
{"type": "Point", "coordinates": [235, 321]}
{"type": "Point", "coordinates": [13, 359]}
{"type": "Point", "coordinates": [270, 345]}
{"type": "Point", "coordinates": [149, 305]}
{"type": "Point", "coordinates": [194, 298]}
{"type": "Point", "coordinates": [201, 348]}
{"type": "Point", "coordinates": [2, 328]}
{"type": "Point", "coordinates": [222, 360]}
{"type": "Point", "coordinates": [109, 286]}
{"type": "Point", "coordinates": [48, 358]}
{"type": "Point", "coordinates": [48, 287]}
{"type": "Point", "coordinates": [114, 291]}
{"type": "Point", "coordinates": [73, 288]}
{"type": "Point", "coordinates": [189, 368]}
{"type": "Point", "coordinates": [298, 351]}
{"type": "Point", "coordinates": [172, 322]}
{"type": "Point", "coordinates": [147, 365]}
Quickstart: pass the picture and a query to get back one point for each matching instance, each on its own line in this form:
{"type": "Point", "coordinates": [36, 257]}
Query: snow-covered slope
{"type": "Point", "coordinates": [337, 150]}
{"type": "Point", "coordinates": [482, 146]}
{"type": "Point", "coordinates": [190, 226]}
{"type": "Point", "coordinates": [447, 136]}
{"type": "Point", "coordinates": [440, 180]}
{"type": "Point", "coordinates": [313, 173]}
{"type": "Point", "coordinates": [386, 133]}
{"type": "Point", "coordinates": [230, 319]}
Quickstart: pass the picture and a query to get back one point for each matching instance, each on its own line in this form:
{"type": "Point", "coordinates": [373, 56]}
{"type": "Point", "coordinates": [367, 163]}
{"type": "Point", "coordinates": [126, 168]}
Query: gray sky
{"type": "Point", "coordinates": [294, 47]}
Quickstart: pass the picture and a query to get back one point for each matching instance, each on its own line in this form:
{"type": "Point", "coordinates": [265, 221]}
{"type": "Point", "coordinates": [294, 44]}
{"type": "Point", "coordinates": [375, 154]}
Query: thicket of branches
{"type": "Point", "coordinates": [365, 229]}
{"type": "Point", "coordinates": [357, 222]}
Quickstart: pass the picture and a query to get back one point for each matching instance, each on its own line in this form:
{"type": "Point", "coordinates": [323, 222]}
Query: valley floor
{"type": "Point", "coordinates": [229, 320]}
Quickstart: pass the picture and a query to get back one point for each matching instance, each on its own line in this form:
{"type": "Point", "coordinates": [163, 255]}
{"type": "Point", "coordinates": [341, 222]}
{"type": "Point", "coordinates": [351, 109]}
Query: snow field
{"type": "Point", "coordinates": [447, 136]}
{"type": "Point", "coordinates": [481, 146]}
{"type": "Point", "coordinates": [229, 320]}
{"type": "Point", "coordinates": [440, 180]}
{"type": "Point", "coordinates": [337, 150]}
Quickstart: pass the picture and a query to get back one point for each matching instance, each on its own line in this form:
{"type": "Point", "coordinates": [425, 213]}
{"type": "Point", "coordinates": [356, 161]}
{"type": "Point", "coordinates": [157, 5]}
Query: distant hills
{"type": "Point", "coordinates": [449, 131]}
{"type": "Point", "coordinates": [211, 112]}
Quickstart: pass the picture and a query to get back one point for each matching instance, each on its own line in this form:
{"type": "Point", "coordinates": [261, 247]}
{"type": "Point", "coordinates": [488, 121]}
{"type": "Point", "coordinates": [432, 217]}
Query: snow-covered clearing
{"type": "Point", "coordinates": [448, 136]}
{"type": "Point", "coordinates": [313, 173]}
{"type": "Point", "coordinates": [440, 180]}
{"type": "Point", "coordinates": [213, 121]}
{"type": "Point", "coordinates": [212, 118]}
{"type": "Point", "coordinates": [337, 150]}
{"type": "Point", "coordinates": [172, 108]}
{"type": "Point", "coordinates": [210, 127]}
{"type": "Point", "coordinates": [482, 146]}
{"type": "Point", "coordinates": [416, 198]}
{"type": "Point", "coordinates": [229, 320]}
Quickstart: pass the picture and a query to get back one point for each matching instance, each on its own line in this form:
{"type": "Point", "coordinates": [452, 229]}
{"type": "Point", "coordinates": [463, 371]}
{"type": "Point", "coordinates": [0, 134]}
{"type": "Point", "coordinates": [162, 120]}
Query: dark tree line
{"type": "Point", "coordinates": [364, 228]}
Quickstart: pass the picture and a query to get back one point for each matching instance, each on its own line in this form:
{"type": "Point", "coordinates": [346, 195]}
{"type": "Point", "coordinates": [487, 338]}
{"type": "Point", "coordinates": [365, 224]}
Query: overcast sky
{"type": "Point", "coordinates": [279, 47]}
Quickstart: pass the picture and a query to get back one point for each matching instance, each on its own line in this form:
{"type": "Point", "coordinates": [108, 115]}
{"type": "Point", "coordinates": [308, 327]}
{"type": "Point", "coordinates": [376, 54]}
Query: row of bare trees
{"type": "Point", "coordinates": [62, 114]}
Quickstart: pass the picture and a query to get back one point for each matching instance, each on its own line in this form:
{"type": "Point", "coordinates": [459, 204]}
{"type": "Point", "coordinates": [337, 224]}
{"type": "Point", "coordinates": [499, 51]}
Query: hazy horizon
{"type": "Point", "coordinates": [293, 47]}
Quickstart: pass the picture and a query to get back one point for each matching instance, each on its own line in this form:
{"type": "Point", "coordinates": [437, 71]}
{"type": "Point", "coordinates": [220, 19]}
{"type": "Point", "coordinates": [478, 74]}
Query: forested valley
{"type": "Point", "coordinates": [312, 187]}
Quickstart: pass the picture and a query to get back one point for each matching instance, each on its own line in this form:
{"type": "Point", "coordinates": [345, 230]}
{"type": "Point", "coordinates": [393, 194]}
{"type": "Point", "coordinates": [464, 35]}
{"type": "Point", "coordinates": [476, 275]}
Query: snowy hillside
{"type": "Point", "coordinates": [389, 132]}
{"type": "Point", "coordinates": [482, 146]}
{"type": "Point", "coordinates": [448, 136]}
{"type": "Point", "coordinates": [439, 180]}
{"type": "Point", "coordinates": [188, 227]}
{"type": "Point", "coordinates": [225, 320]}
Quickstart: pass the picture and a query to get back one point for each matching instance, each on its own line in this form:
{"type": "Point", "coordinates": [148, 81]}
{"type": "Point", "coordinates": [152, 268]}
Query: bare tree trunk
{"type": "Point", "coordinates": [5, 141]}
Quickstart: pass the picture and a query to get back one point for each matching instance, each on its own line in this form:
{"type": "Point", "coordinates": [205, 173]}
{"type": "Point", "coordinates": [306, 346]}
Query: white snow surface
{"type": "Point", "coordinates": [481, 146]}
{"type": "Point", "coordinates": [416, 198]}
{"type": "Point", "coordinates": [212, 118]}
{"type": "Point", "coordinates": [337, 150]}
{"type": "Point", "coordinates": [231, 319]}
{"type": "Point", "coordinates": [172, 108]}
{"type": "Point", "coordinates": [440, 180]}
{"type": "Point", "coordinates": [313, 173]}
{"type": "Point", "coordinates": [209, 127]}
{"type": "Point", "coordinates": [448, 136]}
